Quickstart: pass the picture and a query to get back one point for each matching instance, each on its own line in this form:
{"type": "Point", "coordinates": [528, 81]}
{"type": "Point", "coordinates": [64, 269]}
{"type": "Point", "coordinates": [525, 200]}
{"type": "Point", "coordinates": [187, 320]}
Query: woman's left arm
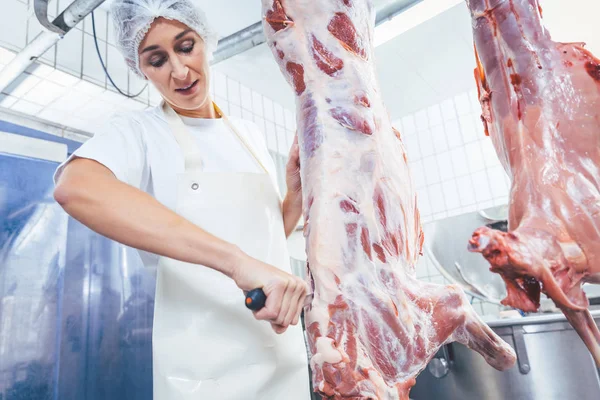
{"type": "Point", "coordinates": [292, 204]}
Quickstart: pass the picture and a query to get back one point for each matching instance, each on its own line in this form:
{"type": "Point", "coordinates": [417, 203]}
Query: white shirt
{"type": "Point", "coordinates": [140, 150]}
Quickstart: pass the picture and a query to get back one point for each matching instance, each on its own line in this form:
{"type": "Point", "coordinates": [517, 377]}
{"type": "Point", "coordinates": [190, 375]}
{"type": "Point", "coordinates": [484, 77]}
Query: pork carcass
{"type": "Point", "coordinates": [372, 326]}
{"type": "Point", "coordinates": [541, 107]}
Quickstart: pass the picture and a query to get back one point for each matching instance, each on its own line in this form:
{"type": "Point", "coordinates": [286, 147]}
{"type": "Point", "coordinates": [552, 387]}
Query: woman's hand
{"type": "Point", "coordinates": [285, 292]}
{"type": "Point", "coordinates": [292, 204]}
{"type": "Point", "coordinates": [292, 171]}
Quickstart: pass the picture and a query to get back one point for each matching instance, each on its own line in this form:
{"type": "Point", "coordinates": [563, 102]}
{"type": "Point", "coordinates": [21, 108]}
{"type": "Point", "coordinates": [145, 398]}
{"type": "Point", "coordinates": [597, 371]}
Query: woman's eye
{"type": "Point", "coordinates": [157, 61]}
{"type": "Point", "coordinates": [187, 47]}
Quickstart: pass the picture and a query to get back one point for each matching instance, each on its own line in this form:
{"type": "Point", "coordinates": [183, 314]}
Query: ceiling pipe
{"type": "Point", "coordinates": [57, 29]}
{"type": "Point", "coordinates": [253, 35]}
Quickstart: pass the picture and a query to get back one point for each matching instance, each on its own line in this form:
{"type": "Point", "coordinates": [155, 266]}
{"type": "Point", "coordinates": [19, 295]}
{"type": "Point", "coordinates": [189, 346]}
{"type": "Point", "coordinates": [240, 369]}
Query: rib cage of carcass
{"type": "Point", "coordinates": [541, 107]}
{"type": "Point", "coordinates": [372, 326]}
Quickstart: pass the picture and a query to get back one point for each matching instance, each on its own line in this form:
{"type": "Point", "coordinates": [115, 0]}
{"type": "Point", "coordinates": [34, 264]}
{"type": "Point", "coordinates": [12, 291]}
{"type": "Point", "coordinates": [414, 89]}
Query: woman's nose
{"type": "Point", "coordinates": [180, 70]}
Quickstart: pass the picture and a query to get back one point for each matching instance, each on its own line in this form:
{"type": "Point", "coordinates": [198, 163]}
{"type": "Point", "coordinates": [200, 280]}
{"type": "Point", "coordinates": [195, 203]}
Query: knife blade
{"type": "Point", "coordinates": [256, 299]}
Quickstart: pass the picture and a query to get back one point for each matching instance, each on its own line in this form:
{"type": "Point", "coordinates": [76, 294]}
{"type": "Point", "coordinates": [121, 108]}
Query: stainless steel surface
{"type": "Point", "coordinates": [535, 320]}
{"type": "Point", "coordinates": [75, 308]}
{"type": "Point", "coordinates": [253, 35]}
{"type": "Point", "coordinates": [557, 366]}
{"type": "Point", "coordinates": [446, 245]}
{"type": "Point", "coordinates": [438, 367]}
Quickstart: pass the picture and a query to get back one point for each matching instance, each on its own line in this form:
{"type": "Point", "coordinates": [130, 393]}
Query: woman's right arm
{"type": "Point", "coordinates": [90, 193]}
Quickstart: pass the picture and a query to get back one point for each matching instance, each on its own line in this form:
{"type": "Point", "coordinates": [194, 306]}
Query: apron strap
{"type": "Point", "coordinates": [188, 144]}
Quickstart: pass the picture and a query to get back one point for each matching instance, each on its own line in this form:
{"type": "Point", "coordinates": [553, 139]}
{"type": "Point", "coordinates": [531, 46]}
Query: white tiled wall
{"type": "Point", "coordinates": [454, 165]}
{"type": "Point", "coordinates": [455, 168]}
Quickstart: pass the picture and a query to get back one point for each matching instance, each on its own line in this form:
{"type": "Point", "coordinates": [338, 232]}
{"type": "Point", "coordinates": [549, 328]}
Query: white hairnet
{"type": "Point", "coordinates": [132, 20]}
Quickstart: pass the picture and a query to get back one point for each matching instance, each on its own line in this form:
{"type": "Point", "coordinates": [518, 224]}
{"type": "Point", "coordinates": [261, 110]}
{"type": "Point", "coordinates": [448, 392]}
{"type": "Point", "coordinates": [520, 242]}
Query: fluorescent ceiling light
{"type": "Point", "coordinates": [414, 16]}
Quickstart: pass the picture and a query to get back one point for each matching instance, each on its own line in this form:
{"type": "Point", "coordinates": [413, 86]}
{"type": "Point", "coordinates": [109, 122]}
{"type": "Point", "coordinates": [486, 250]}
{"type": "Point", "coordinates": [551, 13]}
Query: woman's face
{"type": "Point", "coordinates": [172, 57]}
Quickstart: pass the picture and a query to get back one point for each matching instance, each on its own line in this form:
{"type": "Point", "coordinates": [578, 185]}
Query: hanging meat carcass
{"type": "Point", "coordinates": [541, 107]}
{"type": "Point", "coordinates": [372, 326]}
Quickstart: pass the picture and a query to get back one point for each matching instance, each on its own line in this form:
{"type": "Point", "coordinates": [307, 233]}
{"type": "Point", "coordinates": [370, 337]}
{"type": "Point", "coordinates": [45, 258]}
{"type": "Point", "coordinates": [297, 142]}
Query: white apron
{"type": "Point", "coordinates": [206, 343]}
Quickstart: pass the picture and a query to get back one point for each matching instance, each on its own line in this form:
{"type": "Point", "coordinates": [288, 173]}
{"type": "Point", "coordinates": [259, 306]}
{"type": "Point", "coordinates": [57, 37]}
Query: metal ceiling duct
{"type": "Point", "coordinates": [253, 35]}
{"type": "Point", "coordinates": [57, 29]}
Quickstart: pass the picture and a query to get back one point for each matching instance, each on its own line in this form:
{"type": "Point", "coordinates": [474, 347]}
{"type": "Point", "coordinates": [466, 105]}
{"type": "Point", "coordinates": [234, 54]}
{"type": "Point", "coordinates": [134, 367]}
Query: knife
{"type": "Point", "coordinates": [256, 299]}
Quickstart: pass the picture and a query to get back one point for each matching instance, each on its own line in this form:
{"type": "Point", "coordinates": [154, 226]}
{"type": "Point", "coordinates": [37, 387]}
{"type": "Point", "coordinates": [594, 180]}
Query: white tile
{"type": "Point", "coordinates": [466, 193]}
{"type": "Point", "coordinates": [220, 84]}
{"type": "Point", "coordinates": [246, 96]}
{"type": "Point", "coordinates": [257, 104]}
{"type": "Point", "coordinates": [132, 104]}
{"type": "Point", "coordinates": [62, 78]}
{"type": "Point", "coordinates": [489, 153]}
{"type": "Point", "coordinates": [422, 120]}
{"type": "Point", "coordinates": [496, 178]}
{"type": "Point", "coordinates": [435, 115]}
{"type": "Point", "coordinates": [270, 132]}
{"type": "Point", "coordinates": [233, 92]}
{"type": "Point", "coordinates": [268, 109]}
{"type": "Point", "coordinates": [117, 68]}
{"type": "Point", "coordinates": [88, 88]}
{"type": "Point", "coordinates": [474, 156]}
{"type": "Point", "coordinates": [412, 147]}
{"type": "Point", "coordinates": [408, 125]}
{"type": "Point", "coordinates": [101, 18]}
{"type": "Point", "coordinates": [92, 69]}
{"type": "Point", "coordinates": [436, 197]}
{"type": "Point", "coordinates": [13, 28]}
{"type": "Point", "coordinates": [279, 116]}
{"type": "Point", "coordinates": [290, 120]}
{"type": "Point", "coordinates": [438, 135]}
{"type": "Point", "coordinates": [432, 174]}
{"type": "Point", "coordinates": [260, 122]}
{"type": "Point", "coordinates": [444, 162]}
{"type": "Point", "coordinates": [462, 103]}
{"type": "Point", "coordinates": [475, 104]}
{"type": "Point", "coordinates": [467, 127]}
{"type": "Point", "coordinates": [23, 84]}
{"type": "Point", "coordinates": [68, 52]}
{"type": "Point", "coordinates": [247, 114]}
{"type": "Point", "coordinates": [45, 93]}
{"type": "Point", "coordinates": [485, 204]}
{"type": "Point", "coordinates": [112, 97]}
{"type": "Point", "coordinates": [38, 69]}
{"type": "Point", "coordinates": [27, 107]}
{"type": "Point", "coordinates": [96, 108]}
{"type": "Point", "coordinates": [460, 164]}
{"type": "Point", "coordinates": [453, 134]}
{"type": "Point", "coordinates": [448, 110]}
{"type": "Point", "coordinates": [6, 55]}
{"type": "Point", "coordinates": [425, 143]}
{"type": "Point", "coordinates": [451, 195]}
{"type": "Point", "coordinates": [418, 174]}
{"type": "Point", "coordinates": [423, 202]}
{"type": "Point", "coordinates": [110, 31]}
{"type": "Point", "coordinates": [235, 111]}
{"type": "Point", "coordinates": [482, 187]}
{"type": "Point", "coordinates": [7, 101]}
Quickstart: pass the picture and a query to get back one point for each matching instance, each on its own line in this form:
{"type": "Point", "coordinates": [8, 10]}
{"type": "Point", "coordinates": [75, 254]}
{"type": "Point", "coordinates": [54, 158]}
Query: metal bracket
{"type": "Point", "coordinates": [41, 12]}
{"type": "Point", "coordinates": [521, 350]}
